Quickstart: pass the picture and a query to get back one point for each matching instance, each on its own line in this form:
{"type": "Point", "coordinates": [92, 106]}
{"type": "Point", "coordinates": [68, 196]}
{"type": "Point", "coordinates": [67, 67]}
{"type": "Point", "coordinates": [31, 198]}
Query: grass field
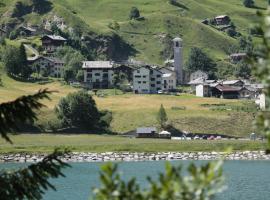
{"type": "Point", "coordinates": [96, 143]}
{"type": "Point", "coordinates": [130, 111]}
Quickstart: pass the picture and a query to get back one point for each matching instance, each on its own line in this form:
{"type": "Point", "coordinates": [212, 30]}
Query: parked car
{"type": "Point", "coordinates": [197, 137]}
{"type": "Point", "coordinates": [211, 138]}
{"type": "Point", "coordinates": [160, 92]}
{"type": "Point", "coordinates": [218, 138]}
{"type": "Point", "coordinates": [204, 137]}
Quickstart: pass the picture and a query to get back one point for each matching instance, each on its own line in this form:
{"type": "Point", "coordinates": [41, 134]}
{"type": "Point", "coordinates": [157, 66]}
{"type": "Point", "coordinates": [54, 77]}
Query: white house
{"type": "Point", "coordinates": [202, 90]}
{"type": "Point", "coordinates": [147, 80]}
{"type": "Point", "coordinates": [168, 81]}
{"type": "Point", "coordinates": [198, 75]}
{"type": "Point", "coordinates": [98, 74]}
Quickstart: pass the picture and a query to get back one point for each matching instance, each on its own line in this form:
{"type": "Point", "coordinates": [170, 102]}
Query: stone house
{"type": "Point", "coordinates": [98, 74]}
{"type": "Point", "coordinates": [147, 80]}
{"type": "Point", "coordinates": [51, 42]}
{"type": "Point", "coordinates": [222, 20]}
{"type": "Point", "coordinates": [237, 57]}
{"type": "Point", "coordinates": [53, 66]}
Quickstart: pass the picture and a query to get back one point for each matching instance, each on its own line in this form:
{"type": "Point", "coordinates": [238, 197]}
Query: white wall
{"type": "Point", "coordinates": [141, 80]}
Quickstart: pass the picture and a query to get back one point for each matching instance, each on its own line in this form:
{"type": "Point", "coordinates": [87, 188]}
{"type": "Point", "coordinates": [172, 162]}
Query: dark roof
{"type": "Point", "coordinates": [146, 130]}
{"type": "Point", "coordinates": [225, 88]}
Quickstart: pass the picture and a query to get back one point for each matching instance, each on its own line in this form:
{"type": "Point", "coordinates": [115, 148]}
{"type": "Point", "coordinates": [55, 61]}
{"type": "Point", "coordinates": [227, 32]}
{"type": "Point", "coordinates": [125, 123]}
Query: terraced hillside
{"type": "Point", "coordinates": [160, 19]}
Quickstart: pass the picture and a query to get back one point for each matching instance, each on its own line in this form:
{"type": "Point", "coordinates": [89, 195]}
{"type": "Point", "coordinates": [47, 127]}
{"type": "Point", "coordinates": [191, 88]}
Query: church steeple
{"type": "Point", "coordinates": [178, 59]}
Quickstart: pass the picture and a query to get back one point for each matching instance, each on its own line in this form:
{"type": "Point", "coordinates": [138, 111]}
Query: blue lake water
{"type": "Point", "coordinates": [245, 180]}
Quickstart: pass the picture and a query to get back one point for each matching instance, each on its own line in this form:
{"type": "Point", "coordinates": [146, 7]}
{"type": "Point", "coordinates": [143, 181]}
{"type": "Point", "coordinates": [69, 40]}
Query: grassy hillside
{"type": "Point", "coordinates": [161, 18]}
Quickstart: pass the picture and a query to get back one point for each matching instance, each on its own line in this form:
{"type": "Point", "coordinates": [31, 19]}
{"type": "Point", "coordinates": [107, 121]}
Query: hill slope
{"type": "Point", "coordinates": [161, 18]}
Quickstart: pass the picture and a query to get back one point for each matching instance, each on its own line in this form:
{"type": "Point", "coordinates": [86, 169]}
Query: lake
{"type": "Point", "coordinates": [244, 179]}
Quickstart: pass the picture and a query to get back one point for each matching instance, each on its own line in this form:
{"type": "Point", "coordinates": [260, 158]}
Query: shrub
{"type": "Point", "coordinates": [134, 13]}
{"type": "Point", "coordinates": [79, 110]}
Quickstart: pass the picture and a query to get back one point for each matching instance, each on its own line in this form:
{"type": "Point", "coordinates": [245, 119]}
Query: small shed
{"type": "Point", "coordinates": [146, 132]}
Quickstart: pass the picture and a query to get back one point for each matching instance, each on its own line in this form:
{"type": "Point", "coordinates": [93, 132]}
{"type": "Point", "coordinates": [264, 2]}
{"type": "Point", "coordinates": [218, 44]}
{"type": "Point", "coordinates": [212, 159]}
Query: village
{"type": "Point", "coordinates": [139, 77]}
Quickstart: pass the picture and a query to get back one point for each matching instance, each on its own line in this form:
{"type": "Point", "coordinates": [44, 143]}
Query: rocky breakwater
{"type": "Point", "coordinates": [126, 156]}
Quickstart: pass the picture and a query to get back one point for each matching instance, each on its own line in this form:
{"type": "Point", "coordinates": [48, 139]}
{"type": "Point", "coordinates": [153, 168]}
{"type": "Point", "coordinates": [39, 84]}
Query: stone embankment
{"type": "Point", "coordinates": [126, 156]}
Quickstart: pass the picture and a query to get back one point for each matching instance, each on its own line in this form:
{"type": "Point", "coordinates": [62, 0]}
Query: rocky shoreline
{"type": "Point", "coordinates": [126, 156]}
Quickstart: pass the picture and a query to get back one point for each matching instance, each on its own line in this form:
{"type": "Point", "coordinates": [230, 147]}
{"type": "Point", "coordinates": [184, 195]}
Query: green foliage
{"type": "Point", "coordinates": [201, 183]}
{"type": "Point", "coordinates": [68, 75]}
{"type": "Point", "coordinates": [248, 3]}
{"type": "Point", "coordinates": [31, 182]}
{"type": "Point", "coordinates": [134, 13]}
{"type": "Point", "coordinates": [261, 60]}
{"type": "Point", "coordinates": [243, 70]}
{"type": "Point", "coordinates": [162, 117]}
{"type": "Point", "coordinates": [199, 60]}
{"type": "Point", "coordinates": [80, 76]}
{"type": "Point", "coordinates": [231, 32]}
{"type": "Point", "coordinates": [79, 110]}
{"type": "Point", "coordinates": [20, 111]}
{"type": "Point", "coordinates": [15, 61]}
{"type": "Point", "coordinates": [114, 25]}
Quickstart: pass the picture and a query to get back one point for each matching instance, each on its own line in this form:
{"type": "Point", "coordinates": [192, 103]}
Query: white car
{"type": "Point", "coordinates": [160, 92]}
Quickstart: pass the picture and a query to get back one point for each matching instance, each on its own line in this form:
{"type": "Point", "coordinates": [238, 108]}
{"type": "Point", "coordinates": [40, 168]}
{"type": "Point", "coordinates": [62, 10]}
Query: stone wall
{"type": "Point", "coordinates": [126, 156]}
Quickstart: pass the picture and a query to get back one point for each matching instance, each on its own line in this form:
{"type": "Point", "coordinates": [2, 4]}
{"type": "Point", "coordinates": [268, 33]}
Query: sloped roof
{"type": "Point", "coordinates": [97, 64]}
{"type": "Point", "coordinates": [167, 75]}
{"type": "Point", "coordinates": [221, 16]}
{"type": "Point", "coordinates": [55, 37]}
{"type": "Point", "coordinates": [146, 130]}
{"type": "Point", "coordinates": [225, 88]}
{"type": "Point", "coordinates": [231, 82]}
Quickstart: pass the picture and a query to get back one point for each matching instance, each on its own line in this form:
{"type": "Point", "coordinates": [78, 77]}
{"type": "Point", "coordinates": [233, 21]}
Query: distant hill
{"type": "Point", "coordinates": [149, 38]}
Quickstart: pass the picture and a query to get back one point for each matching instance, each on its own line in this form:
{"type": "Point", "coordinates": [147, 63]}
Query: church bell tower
{"type": "Point", "coordinates": [178, 59]}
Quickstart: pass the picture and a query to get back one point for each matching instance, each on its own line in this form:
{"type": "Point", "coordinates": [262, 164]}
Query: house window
{"type": "Point", "coordinates": [137, 76]}
{"type": "Point", "coordinates": [144, 82]}
{"type": "Point", "coordinates": [153, 85]}
{"type": "Point", "coordinates": [144, 76]}
{"type": "Point", "coordinates": [139, 82]}
{"type": "Point", "coordinates": [158, 82]}
{"type": "Point", "coordinates": [158, 76]}
{"type": "Point", "coordinates": [97, 74]}
{"type": "Point", "coordinates": [138, 71]}
{"type": "Point", "coordinates": [105, 75]}
{"type": "Point", "coordinates": [153, 79]}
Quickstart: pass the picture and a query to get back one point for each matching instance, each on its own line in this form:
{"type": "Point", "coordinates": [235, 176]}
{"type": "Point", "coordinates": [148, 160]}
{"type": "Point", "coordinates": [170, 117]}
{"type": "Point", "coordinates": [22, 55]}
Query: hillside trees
{"type": "Point", "coordinates": [243, 70]}
{"type": "Point", "coordinates": [79, 110]}
{"type": "Point", "coordinates": [15, 62]}
{"type": "Point", "coordinates": [199, 60]}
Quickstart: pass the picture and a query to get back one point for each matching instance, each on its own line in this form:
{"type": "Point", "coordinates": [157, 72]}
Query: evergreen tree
{"type": "Point", "coordinates": [30, 182]}
{"type": "Point", "coordinates": [25, 70]}
{"type": "Point", "coordinates": [198, 60]}
{"type": "Point", "coordinates": [162, 117]}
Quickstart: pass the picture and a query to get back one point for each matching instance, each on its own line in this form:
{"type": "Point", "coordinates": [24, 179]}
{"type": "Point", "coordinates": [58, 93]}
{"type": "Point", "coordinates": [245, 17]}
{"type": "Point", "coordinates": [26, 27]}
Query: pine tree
{"type": "Point", "coordinates": [31, 182]}
{"type": "Point", "coordinates": [162, 117]}
{"type": "Point", "coordinates": [25, 69]}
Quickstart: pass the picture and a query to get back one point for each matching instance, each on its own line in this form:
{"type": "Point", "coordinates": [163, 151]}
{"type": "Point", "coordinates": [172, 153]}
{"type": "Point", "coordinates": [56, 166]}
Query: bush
{"type": "Point", "coordinates": [201, 183]}
{"type": "Point", "coordinates": [178, 108]}
{"type": "Point", "coordinates": [78, 110]}
{"type": "Point", "coordinates": [248, 3]}
{"type": "Point", "coordinates": [134, 13]}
